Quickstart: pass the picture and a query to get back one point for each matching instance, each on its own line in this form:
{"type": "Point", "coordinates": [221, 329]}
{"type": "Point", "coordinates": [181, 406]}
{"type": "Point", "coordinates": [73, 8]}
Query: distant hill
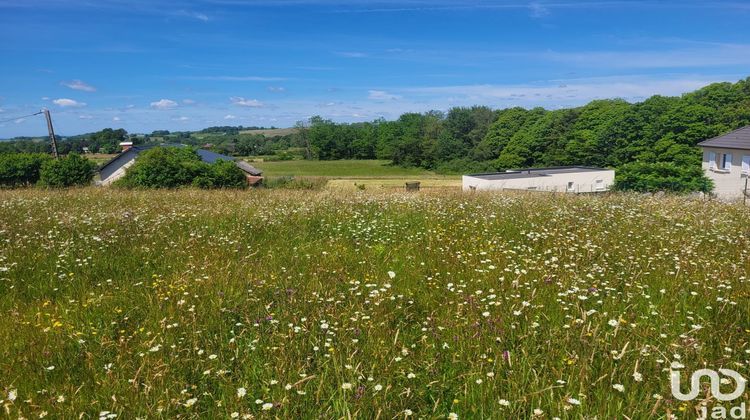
{"type": "Point", "coordinates": [271, 132]}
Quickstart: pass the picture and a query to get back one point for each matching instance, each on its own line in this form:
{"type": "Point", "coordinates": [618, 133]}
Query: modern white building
{"type": "Point", "coordinates": [726, 161]}
{"type": "Point", "coordinates": [568, 179]}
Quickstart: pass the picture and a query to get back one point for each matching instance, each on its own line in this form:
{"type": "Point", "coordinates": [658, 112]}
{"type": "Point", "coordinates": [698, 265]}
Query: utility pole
{"type": "Point", "coordinates": [51, 131]}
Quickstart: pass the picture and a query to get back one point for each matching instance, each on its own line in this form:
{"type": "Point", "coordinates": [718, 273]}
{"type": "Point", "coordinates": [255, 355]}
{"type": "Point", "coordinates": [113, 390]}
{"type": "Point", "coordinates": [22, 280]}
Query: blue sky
{"type": "Point", "coordinates": [183, 65]}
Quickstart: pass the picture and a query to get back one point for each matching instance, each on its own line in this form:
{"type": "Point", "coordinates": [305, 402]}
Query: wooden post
{"type": "Point", "coordinates": [744, 194]}
{"type": "Point", "coordinates": [51, 131]}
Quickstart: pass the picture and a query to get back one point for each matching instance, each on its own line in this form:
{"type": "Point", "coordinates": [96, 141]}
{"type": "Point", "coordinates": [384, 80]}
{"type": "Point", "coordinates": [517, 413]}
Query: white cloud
{"type": "Point", "coordinates": [252, 103]}
{"type": "Point", "coordinates": [164, 104]}
{"type": "Point", "coordinates": [236, 78]}
{"type": "Point", "coordinates": [183, 118]}
{"type": "Point", "coordinates": [711, 55]}
{"type": "Point", "coordinates": [115, 119]}
{"type": "Point", "coordinates": [78, 85]}
{"type": "Point", "coordinates": [381, 95]}
{"type": "Point", "coordinates": [538, 10]}
{"type": "Point", "coordinates": [351, 54]}
{"type": "Point", "coordinates": [20, 120]}
{"type": "Point", "coordinates": [230, 117]}
{"type": "Point", "coordinates": [188, 102]}
{"type": "Point", "coordinates": [200, 16]}
{"type": "Point", "coordinates": [565, 92]}
{"type": "Point", "coordinates": [400, 6]}
{"type": "Point", "coordinates": [65, 103]}
{"type": "Point", "coordinates": [276, 89]}
{"type": "Point", "coordinates": [195, 15]}
{"type": "Point", "coordinates": [85, 117]}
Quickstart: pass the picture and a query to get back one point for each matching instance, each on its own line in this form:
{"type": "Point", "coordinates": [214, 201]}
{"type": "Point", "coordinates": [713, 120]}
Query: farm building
{"type": "Point", "coordinates": [726, 161]}
{"type": "Point", "coordinates": [571, 179]}
{"type": "Point", "coordinates": [115, 168]}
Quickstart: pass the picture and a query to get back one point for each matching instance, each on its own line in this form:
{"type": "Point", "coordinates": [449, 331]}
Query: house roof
{"type": "Point", "coordinates": [536, 172]}
{"type": "Point", "coordinates": [250, 169]}
{"type": "Point", "coordinates": [737, 139]}
{"type": "Point", "coordinates": [205, 155]}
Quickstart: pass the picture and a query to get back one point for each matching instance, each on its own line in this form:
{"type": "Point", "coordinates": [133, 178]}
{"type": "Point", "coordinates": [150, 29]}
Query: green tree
{"type": "Point", "coordinates": [71, 170]}
{"type": "Point", "coordinates": [661, 176]}
{"type": "Point", "coordinates": [21, 169]}
{"type": "Point", "coordinates": [500, 133]}
{"type": "Point", "coordinates": [221, 174]}
{"type": "Point", "coordinates": [164, 167]}
{"type": "Point", "coordinates": [173, 167]}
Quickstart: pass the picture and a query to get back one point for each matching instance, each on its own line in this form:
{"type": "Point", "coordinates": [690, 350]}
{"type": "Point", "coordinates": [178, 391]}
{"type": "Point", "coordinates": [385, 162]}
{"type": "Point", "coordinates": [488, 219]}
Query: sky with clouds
{"type": "Point", "coordinates": [145, 65]}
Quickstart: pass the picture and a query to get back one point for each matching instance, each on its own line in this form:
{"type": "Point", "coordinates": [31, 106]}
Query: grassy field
{"type": "Point", "coordinates": [272, 132]}
{"type": "Point", "coordinates": [348, 174]}
{"type": "Point", "coordinates": [446, 183]}
{"type": "Point", "coordinates": [287, 304]}
{"type": "Point", "coordinates": [341, 169]}
{"type": "Point", "coordinates": [100, 158]}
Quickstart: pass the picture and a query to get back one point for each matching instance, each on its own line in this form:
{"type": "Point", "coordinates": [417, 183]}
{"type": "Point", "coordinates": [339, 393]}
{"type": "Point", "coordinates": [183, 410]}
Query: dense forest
{"type": "Point", "coordinates": [660, 131]}
{"type": "Point", "coordinates": [607, 133]}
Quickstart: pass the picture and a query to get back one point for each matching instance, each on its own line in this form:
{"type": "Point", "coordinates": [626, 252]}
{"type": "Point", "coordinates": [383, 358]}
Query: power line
{"type": "Point", "coordinates": [23, 116]}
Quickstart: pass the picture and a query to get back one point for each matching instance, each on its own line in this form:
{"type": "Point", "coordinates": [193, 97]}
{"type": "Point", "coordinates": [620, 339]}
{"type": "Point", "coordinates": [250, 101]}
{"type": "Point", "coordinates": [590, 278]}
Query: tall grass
{"type": "Point", "coordinates": [284, 304]}
{"type": "Point", "coordinates": [342, 169]}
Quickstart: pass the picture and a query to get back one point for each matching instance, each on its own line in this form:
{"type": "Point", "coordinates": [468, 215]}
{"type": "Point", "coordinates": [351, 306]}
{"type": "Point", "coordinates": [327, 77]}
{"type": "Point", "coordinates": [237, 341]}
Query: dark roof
{"type": "Point", "coordinates": [252, 170]}
{"type": "Point", "coordinates": [205, 155]}
{"type": "Point", "coordinates": [536, 172]}
{"type": "Point", "coordinates": [115, 158]}
{"type": "Point", "coordinates": [737, 139]}
{"type": "Point", "coordinates": [211, 157]}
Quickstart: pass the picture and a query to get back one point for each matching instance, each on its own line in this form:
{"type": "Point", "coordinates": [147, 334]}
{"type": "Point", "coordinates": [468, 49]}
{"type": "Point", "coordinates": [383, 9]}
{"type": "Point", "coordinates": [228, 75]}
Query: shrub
{"type": "Point", "coordinates": [661, 176]}
{"type": "Point", "coordinates": [21, 169]}
{"type": "Point", "coordinates": [71, 170]}
{"type": "Point", "coordinates": [164, 167]}
{"type": "Point", "coordinates": [283, 156]}
{"type": "Point", "coordinates": [226, 174]}
{"type": "Point", "coordinates": [173, 167]}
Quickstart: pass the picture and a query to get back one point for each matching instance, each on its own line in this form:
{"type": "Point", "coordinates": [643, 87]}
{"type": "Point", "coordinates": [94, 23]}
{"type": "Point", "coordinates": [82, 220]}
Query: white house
{"type": "Point", "coordinates": [570, 179]}
{"type": "Point", "coordinates": [726, 161]}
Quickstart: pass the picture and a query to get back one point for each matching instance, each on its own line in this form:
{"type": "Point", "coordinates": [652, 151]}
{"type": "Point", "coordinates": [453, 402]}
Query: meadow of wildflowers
{"type": "Point", "coordinates": [284, 304]}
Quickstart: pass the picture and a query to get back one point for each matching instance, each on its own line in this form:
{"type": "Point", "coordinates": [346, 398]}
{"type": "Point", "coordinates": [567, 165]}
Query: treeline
{"type": "Point", "coordinates": [107, 141]}
{"type": "Point", "coordinates": [609, 133]}
{"type": "Point", "coordinates": [231, 129]}
{"type": "Point", "coordinates": [104, 141]}
{"type": "Point", "coordinates": [39, 169]}
{"type": "Point", "coordinates": [248, 144]}
{"type": "Point", "coordinates": [652, 143]}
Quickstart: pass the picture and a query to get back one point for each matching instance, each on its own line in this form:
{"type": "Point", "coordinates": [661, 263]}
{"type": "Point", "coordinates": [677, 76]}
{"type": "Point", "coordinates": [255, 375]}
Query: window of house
{"type": "Point", "coordinates": [571, 186]}
{"type": "Point", "coordinates": [599, 184]}
{"type": "Point", "coordinates": [746, 165]}
{"type": "Point", "coordinates": [711, 160]}
{"type": "Point", "coordinates": [726, 161]}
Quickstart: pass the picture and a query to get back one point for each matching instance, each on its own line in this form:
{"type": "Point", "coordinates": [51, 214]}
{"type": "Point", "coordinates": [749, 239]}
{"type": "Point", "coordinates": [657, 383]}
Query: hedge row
{"type": "Point", "coordinates": [26, 169]}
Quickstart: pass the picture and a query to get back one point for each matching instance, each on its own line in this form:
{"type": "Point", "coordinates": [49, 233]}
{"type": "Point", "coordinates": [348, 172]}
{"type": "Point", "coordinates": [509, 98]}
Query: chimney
{"type": "Point", "coordinates": [126, 145]}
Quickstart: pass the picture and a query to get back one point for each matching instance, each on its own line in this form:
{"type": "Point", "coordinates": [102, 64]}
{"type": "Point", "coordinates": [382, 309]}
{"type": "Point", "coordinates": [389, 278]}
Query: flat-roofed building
{"type": "Point", "coordinates": [569, 179]}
